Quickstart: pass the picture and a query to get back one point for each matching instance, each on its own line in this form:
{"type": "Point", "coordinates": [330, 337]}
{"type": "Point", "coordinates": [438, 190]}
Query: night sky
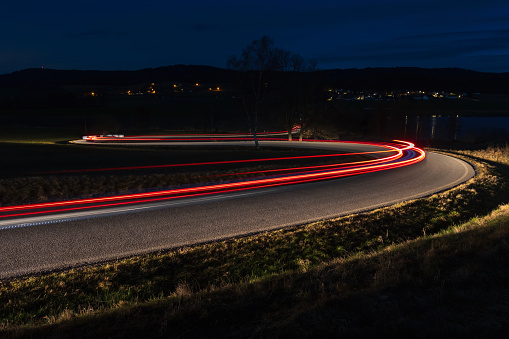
{"type": "Point", "coordinates": [130, 35]}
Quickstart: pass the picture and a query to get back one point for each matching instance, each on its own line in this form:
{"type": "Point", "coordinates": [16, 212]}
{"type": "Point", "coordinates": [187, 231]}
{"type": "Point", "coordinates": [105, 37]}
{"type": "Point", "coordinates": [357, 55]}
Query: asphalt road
{"type": "Point", "coordinates": [133, 230]}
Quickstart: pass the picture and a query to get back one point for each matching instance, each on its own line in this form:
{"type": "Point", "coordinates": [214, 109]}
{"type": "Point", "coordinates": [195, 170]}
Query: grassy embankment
{"type": "Point", "coordinates": [431, 266]}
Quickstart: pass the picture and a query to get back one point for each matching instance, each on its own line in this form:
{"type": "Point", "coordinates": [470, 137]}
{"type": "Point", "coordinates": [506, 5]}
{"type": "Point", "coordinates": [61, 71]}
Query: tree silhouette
{"type": "Point", "coordinates": [253, 66]}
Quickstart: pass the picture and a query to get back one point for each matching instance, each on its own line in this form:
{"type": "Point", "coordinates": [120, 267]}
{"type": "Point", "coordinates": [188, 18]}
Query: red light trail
{"type": "Point", "coordinates": [399, 154]}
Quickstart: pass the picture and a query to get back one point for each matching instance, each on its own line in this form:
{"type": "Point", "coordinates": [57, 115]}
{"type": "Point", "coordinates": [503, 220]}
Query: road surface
{"type": "Point", "coordinates": [40, 244]}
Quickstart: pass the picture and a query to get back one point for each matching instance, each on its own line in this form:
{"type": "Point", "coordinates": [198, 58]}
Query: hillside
{"type": "Point", "coordinates": [182, 73]}
{"type": "Point", "coordinates": [448, 79]}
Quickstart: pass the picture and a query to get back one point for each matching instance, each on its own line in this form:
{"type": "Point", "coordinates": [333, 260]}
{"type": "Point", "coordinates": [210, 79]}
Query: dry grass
{"type": "Point", "coordinates": [448, 284]}
{"type": "Point", "coordinates": [493, 153]}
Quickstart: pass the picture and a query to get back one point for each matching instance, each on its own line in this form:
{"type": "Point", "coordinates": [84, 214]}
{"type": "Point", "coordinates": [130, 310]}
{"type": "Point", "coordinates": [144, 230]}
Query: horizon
{"type": "Point", "coordinates": [104, 35]}
{"type": "Point", "coordinates": [225, 68]}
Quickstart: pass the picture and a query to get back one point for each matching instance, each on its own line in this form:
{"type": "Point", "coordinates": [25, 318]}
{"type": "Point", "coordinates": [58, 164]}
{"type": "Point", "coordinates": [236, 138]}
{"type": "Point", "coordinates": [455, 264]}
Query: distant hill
{"type": "Point", "coordinates": [447, 79]}
{"type": "Point", "coordinates": [399, 78]}
{"type": "Point", "coordinates": [52, 77]}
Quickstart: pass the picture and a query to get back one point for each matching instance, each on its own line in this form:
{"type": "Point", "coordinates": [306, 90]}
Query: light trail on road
{"type": "Point", "coordinates": [213, 162]}
{"type": "Point", "coordinates": [191, 137]}
{"type": "Point", "coordinates": [399, 154]}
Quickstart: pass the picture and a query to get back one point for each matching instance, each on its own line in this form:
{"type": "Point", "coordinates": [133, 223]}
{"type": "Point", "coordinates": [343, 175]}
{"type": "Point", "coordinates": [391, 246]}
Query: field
{"type": "Point", "coordinates": [435, 266]}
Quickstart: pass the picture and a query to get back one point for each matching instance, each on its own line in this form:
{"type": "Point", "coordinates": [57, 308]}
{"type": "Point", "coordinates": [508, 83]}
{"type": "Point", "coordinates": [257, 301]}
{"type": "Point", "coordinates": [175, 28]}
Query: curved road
{"type": "Point", "coordinates": [140, 229]}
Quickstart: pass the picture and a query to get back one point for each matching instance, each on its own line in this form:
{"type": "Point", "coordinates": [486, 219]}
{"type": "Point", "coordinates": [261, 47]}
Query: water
{"type": "Point", "coordinates": [457, 128]}
{"type": "Point", "coordinates": [474, 129]}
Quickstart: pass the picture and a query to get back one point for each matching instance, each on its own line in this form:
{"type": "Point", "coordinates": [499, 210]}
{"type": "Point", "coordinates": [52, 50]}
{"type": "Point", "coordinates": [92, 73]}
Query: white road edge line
{"type": "Point", "coordinates": [56, 218]}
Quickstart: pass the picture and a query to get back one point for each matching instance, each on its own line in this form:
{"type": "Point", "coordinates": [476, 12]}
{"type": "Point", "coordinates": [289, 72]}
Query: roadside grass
{"type": "Point", "coordinates": [493, 153]}
{"type": "Point", "coordinates": [453, 283]}
{"type": "Point", "coordinates": [36, 135]}
{"type": "Point", "coordinates": [306, 277]}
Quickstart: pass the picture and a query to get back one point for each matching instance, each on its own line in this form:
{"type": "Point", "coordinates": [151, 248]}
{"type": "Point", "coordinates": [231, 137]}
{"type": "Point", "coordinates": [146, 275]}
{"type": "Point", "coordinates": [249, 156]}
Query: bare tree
{"type": "Point", "coordinates": [252, 67]}
{"type": "Point", "coordinates": [255, 64]}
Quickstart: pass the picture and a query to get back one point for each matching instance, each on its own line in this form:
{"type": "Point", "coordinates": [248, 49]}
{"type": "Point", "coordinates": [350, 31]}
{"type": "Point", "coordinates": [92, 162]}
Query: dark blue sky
{"type": "Point", "coordinates": [129, 35]}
